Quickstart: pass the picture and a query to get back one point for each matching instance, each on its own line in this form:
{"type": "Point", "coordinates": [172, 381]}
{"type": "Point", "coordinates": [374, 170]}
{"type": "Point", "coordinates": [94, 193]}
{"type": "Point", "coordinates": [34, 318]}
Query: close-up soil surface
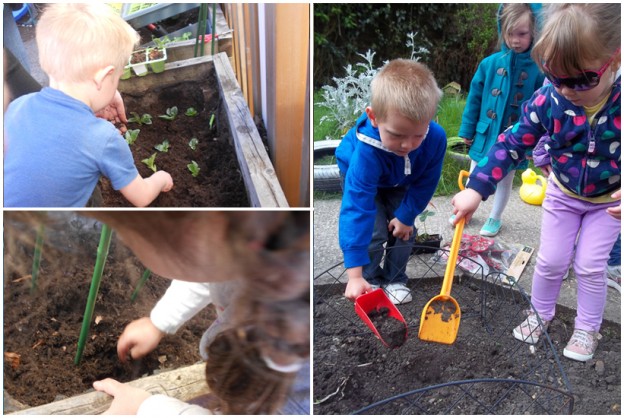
{"type": "Point", "coordinates": [219, 183]}
{"type": "Point", "coordinates": [353, 370]}
{"type": "Point", "coordinates": [41, 328]}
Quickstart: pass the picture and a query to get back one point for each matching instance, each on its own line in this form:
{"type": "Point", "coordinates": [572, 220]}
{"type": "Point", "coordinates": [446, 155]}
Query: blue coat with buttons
{"type": "Point", "coordinates": [503, 81]}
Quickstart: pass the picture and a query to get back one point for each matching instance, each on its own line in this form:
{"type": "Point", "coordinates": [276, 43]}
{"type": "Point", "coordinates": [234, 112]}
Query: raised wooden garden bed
{"type": "Point", "coordinates": [213, 76]}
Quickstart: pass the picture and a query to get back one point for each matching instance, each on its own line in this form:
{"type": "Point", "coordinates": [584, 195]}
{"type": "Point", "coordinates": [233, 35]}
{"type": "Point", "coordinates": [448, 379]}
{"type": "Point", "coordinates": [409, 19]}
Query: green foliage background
{"type": "Point", "coordinates": [458, 36]}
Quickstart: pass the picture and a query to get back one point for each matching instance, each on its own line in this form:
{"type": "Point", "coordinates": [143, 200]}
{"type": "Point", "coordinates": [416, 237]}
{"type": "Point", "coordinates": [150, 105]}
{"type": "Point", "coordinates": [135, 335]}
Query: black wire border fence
{"type": "Point", "coordinates": [495, 290]}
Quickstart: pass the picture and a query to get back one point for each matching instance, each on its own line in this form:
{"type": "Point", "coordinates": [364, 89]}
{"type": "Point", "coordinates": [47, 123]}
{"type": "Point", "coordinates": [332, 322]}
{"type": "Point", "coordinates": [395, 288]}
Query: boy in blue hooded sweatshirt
{"type": "Point", "coordinates": [503, 81]}
{"type": "Point", "coordinates": [390, 162]}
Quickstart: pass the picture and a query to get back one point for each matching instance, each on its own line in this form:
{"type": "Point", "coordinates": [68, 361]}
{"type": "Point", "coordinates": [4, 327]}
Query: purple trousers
{"type": "Point", "coordinates": [564, 219]}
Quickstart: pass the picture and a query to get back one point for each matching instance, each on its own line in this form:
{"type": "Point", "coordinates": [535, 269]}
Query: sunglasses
{"type": "Point", "coordinates": [587, 80]}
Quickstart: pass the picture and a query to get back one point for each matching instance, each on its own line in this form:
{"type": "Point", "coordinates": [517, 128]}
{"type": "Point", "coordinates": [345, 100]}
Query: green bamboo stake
{"type": "Point", "coordinates": [214, 25]}
{"type": "Point", "coordinates": [37, 258]}
{"type": "Point", "coordinates": [201, 28]}
{"type": "Point", "coordinates": [144, 277]}
{"type": "Point", "coordinates": [102, 254]}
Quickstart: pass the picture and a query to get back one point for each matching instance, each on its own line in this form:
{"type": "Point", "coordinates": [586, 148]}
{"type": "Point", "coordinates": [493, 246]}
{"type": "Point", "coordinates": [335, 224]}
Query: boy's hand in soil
{"type": "Point", "coordinates": [127, 399]}
{"type": "Point", "coordinates": [142, 191]}
{"type": "Point", "coordinates": [399, 229]}
{"type": "Point", "coordinates": [115, 112]}
{"type": "Point", "coordinates": [465, 203]}
{"type": "Point", "coordinates": [139, 338]}
{"type": "Point", "coordinates": [357, 284]}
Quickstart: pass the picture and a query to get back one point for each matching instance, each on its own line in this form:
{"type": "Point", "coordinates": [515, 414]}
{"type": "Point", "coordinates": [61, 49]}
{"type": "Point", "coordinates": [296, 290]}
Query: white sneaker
{"type": "Point", "coordinates": [398, 293]}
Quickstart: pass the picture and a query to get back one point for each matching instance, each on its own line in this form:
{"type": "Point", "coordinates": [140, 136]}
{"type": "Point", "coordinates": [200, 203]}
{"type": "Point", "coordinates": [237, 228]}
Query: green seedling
{"type": "Point", "coordinates": [163, 147]}
{"type": "Point", "coordinates": [146, 119]}
{"type": "Point", "coordinates": [102, 254]}
{"type": "Point", "coordinates": [193, 168]}
{"type": "Point", "coordinates": [144, 277]}
{"type": "Point", "coordinates": [171, 113]}
{"type": "Point", "coordinates": [37, 258]}
{"type": "Point", "coordinates": [149, 162]}
{"type": "Point", "coordinates": [185, 37]}
{"type": "Point", "coordinates": [193, 143]}
{"type": "Point", "coordinates": [161, 42]}
{"type": "Point", "coordinates": [211, 122]}
{"type": "Point", "coordinates": [131, 135]}
{"type": "Point", "coordinates": [191, 111]}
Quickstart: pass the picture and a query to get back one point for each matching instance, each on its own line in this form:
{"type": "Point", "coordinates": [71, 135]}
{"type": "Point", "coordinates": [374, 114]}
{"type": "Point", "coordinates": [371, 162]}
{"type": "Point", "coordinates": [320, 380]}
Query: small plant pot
{"type": "Point", "coordinates": [127, 73]}
{"type": "Point", "coordinates": [422, 241]}
{"type": "Point", "coordinates": [138, 62]}
{"type": "Point", "coordinates": [157, 64]}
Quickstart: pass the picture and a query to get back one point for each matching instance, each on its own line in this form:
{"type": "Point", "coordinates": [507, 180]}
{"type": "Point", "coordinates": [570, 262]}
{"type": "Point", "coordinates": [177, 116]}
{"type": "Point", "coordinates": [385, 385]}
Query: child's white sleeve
{"type": "Point", "coordinates": [164, 406]}
{"type": "Point", "coordinates": [181, 302]}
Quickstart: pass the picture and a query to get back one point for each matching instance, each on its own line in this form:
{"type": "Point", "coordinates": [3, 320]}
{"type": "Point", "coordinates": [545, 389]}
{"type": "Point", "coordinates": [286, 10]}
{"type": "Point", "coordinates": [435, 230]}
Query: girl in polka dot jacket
{"type": "Point", "coordinates": [579, 52]}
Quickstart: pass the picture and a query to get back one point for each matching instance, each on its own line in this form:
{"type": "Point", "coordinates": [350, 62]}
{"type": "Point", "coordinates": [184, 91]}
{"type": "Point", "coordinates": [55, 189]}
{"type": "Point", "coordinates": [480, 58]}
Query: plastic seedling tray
{"type": "Point", "coordinates": [157, 65]}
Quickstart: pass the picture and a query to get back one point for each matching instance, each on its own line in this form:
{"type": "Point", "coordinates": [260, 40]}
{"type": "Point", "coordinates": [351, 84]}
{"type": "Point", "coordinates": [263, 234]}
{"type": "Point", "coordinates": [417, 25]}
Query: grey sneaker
{"type": "Point", "coordinates": [530, 330]}
{"type": "Point", "coordinates": [614, 277]}
{"type": "Point", "coordinates": [582, 345]}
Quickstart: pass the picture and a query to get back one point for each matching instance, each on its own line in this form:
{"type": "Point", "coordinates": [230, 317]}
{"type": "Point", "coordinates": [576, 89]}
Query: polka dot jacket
{"type": "Point", "coordinates": [586, 159]}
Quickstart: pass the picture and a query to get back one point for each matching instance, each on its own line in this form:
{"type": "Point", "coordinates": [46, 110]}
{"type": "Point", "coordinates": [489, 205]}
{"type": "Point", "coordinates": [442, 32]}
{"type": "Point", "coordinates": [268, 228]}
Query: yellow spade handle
{"type": "Point", "coordinates": [457, 236]}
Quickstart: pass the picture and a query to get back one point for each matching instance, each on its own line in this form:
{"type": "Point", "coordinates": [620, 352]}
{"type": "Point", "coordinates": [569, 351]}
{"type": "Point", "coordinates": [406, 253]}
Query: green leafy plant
{"type": "Point", "coordinates": [191, 111]}
{"type": "Point", "coordinates": [150, 162]}
{"type": "Point", "coordinates": [193, 143]}
{"type": "Point", "coordinates": [131, 135]}
{"type": "Point", "coordinates": [193, 168]}
{"type": "Point", "coordinates": [171, 113]}
{"type": "Point", "coordinates": [211, 122]}
{"type": "Point", "coordinates": [163, 146]}
{"type": "Point", "coordinates": [423, 217]}
{"type": "Point", "coordinates": [145, 119]}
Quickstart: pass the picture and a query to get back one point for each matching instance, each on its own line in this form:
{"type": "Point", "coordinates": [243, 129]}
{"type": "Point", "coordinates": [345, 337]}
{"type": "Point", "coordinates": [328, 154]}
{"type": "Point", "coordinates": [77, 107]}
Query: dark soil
{"type": "Point", "coordinates": [219, 183]}
{"type": "Point", "coordinates": [391, 330]}
{"type": "Point", "coordinates": [41, 330]}
{"type": "Point", "coordinates": [138, 56]}
{"type": "Point", "coordinates": [354, 370]}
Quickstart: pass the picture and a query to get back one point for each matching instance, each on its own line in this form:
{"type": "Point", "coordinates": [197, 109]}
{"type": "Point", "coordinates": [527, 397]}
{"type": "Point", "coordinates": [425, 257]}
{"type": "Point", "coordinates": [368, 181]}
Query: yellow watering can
{"type": "Point", "coordinates": [531, 192]}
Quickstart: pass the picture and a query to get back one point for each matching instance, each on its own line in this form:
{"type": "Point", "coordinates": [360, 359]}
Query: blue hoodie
{"type": "Point", "coordinates": [367, 168]}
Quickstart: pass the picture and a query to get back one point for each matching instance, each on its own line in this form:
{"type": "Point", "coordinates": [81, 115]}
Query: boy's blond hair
{"type": "Point", "coordinates": [77, 39]}
{"type": "Point", "coordinates": [574, 34]}
{"type": "Point", "coordinates": [407, 87]}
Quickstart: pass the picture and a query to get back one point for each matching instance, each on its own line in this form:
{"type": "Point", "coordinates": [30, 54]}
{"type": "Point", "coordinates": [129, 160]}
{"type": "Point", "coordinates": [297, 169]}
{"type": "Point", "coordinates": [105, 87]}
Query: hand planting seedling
{"type": "Point", "coordinates": [193, 168]}
{"type": "Point", "coordinates": [146, 119]}
{"type": "Point", "coordinates": [131, 135]}
{"type": "Point", "coordinates": [171, 113]}
{"type": "Point", "coordinates": [163, 146]}
{"type": "Point", "coordinates": [193, 143]}
{"type": "Point", "coordinates": [149, 162]}
{"type": "Point", "coordinates": [191, 111]}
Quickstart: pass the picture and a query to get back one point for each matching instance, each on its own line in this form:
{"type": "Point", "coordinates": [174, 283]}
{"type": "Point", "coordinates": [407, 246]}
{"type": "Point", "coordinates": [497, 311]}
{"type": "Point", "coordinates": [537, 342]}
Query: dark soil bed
{"type": "Point", "coordinates": [41, 330]}
{"type": "Point", "coordinates": [219, 183]}
{"type": "Point", "coordinates": [353, 369]}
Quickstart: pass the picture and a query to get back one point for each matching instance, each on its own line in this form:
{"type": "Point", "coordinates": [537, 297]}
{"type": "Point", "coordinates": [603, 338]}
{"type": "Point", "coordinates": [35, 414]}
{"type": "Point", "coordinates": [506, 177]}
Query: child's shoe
{"type": "Point", "coordinates": [491, 228]}
{"type": "Point", "coordinates": [398, 293]}
{"type": "Point", "coordinates": [614, 277]}
{"type": "Point", "coordinates": [582, 345]}
{"type": "Point", "coordinates": [529, 331]}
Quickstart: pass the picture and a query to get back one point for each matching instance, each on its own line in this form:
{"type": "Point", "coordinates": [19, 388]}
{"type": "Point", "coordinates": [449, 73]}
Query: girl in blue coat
{"type": "Point", "coordinates": [503, 81]}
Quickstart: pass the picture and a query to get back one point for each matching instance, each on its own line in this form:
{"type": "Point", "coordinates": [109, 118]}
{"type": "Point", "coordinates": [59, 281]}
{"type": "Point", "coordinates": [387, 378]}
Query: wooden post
{"type": "Point", "coordinates": [185, 383]}
{"type": "Point", "coordinates": [288, 47]}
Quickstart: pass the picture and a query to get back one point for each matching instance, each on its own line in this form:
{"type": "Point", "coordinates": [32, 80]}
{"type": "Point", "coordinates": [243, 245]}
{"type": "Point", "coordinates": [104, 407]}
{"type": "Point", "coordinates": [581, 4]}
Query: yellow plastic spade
{"type": "Point", "coordinates": [440, 318]}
